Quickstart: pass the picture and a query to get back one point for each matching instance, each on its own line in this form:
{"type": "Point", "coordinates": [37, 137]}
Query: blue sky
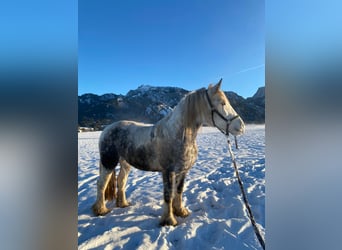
{"type": "Point", "coordinates": [188, 44]}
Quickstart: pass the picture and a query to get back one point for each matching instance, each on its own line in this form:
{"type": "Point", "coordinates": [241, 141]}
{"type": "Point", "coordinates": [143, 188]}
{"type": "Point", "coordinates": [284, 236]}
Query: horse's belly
{"type": "Point", "coordinates": [143, 158]}
{"type": "Point", "coordinates": [145, 166]}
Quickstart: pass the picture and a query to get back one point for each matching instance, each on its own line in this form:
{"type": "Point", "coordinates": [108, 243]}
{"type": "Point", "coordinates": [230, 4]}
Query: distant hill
{"type": "Point", "coordinates": [150, 104]}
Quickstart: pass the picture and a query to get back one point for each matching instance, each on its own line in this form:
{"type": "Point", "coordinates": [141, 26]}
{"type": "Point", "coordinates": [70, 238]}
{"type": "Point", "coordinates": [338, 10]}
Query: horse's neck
{"type": "Point", "coordinates": [174, 125]}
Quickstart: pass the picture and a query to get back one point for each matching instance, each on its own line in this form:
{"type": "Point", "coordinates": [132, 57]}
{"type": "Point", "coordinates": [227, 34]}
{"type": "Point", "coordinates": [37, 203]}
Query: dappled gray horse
{"type": "Point", "coordinates": [168, 147]}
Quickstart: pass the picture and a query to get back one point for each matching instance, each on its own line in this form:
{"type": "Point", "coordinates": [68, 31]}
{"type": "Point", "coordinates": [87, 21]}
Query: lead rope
{"type": "Point", "coordinates": [250, 214]}
{"type": "Point", "coordinates": [236, 145]}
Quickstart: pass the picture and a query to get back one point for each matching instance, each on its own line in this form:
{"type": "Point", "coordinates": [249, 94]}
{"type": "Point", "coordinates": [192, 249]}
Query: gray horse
{"type": "Point", "coordinates": [168, 147]}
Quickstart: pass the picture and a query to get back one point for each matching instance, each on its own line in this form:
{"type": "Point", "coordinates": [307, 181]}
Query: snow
{"type": "Point", "coordinates": [144, 88]}
{"type": "Point", "coordinates": [218, 219]}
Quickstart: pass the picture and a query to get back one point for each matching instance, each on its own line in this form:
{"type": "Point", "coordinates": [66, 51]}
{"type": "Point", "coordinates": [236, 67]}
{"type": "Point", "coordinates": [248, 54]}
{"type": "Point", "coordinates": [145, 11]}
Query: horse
{"type": "Point", "coordinates": [169, 147]}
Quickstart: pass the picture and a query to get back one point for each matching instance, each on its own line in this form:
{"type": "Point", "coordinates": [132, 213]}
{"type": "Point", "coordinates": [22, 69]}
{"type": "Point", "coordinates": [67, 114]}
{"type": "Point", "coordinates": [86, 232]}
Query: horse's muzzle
{"type": "Point", "coordinates": [237, 127]}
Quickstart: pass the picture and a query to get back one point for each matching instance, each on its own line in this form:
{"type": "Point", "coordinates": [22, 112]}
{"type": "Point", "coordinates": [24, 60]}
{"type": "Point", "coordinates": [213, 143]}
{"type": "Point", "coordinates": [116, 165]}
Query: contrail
{"type": "Point", "coordinates": [251, 68]}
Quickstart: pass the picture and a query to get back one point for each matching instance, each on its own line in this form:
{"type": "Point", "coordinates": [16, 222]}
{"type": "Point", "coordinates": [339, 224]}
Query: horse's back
{"type": "Point", "coordinates": [126, 130]}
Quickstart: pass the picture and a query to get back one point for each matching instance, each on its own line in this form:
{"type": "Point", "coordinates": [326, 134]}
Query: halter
{"type": "Point", "coordinates": [214, 110]}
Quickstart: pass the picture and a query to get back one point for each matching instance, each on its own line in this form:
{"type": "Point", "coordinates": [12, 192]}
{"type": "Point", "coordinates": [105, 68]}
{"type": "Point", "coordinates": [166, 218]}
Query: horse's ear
{"type": "Point", "coordinates": [217, 86]}
{"type": "Point", "coordinates": [214, 88]}
{"type": "Point", "coordinates": [219, 83]}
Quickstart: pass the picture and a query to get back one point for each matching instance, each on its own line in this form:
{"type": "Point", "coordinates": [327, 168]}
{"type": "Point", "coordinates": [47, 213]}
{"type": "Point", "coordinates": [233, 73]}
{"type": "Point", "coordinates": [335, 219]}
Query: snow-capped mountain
{"type": "Point", "coordinates": [150, 104]}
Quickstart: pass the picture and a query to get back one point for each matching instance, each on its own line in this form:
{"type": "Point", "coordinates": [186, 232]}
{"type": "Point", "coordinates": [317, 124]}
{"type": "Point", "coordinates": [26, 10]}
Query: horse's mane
{"type": "Point", "coordinates": [188, 115]}
{"type": "Point", "coordinates": [194, 110]}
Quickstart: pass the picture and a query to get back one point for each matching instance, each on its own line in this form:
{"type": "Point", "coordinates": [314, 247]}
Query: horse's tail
{"type": "Point", "coordinates": [110, 192]}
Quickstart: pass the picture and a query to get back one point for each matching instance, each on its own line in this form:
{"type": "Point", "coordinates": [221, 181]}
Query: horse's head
{"type": "Point", "coordinates": [223, 115]}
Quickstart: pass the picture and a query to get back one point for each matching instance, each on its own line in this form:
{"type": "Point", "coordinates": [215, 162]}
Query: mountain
{"type": "Point", "coordinates": [260, 93]}
{"type": "Point", "coordinates": [150, 104]}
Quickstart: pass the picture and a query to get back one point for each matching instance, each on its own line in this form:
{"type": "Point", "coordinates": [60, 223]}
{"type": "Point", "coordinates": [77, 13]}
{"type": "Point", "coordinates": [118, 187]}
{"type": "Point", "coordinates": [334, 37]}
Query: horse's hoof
{"type": "Point", "coordinates": [100, 210]}
{"type": "Point", "coordinates": [170, 221]}
{"type": "Point", "coordinates": [183, 212]}
{"type": "Point", "coordinates": [123, 204]}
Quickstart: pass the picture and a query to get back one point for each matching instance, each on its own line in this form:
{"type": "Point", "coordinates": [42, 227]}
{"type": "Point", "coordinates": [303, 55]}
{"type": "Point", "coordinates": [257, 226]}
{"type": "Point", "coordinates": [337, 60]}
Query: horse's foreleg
{"type": "Point", "coordinates": [169, 187]}
{"type": "Point", "coordinates": [99, 207]}
{"type": "Point", "coordinates": [178, 208]}
{"type": "Point", "coordinates": [122, 180]}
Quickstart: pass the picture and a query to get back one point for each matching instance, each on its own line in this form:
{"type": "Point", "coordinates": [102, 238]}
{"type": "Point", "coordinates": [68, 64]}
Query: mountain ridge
{"type": "Point", "coordinates": [150, 104]}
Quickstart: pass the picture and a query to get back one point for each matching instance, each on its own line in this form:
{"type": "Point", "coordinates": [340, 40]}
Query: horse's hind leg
{"type": "Point", "coordinates": [122, 180]}
{"type": "Point", "coordinates": [106, 176]}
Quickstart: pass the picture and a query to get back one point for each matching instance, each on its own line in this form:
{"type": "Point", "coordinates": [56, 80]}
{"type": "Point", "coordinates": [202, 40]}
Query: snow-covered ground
{"type": "Point", "coordinates": [218, 219]}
